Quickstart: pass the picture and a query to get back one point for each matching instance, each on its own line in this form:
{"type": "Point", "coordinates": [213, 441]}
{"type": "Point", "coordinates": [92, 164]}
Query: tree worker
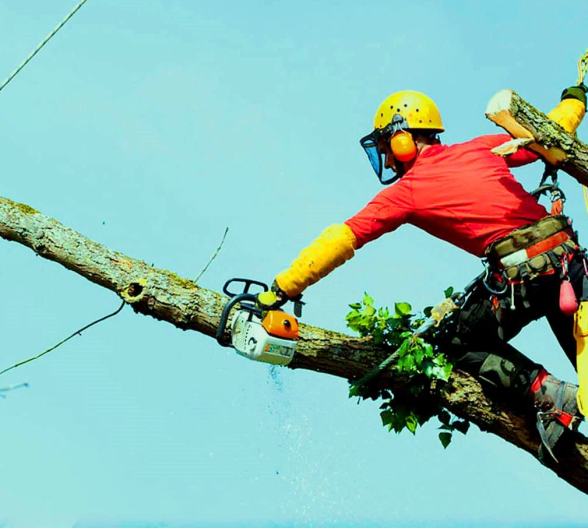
{"type": "Point", "coordinates": [466, 195]}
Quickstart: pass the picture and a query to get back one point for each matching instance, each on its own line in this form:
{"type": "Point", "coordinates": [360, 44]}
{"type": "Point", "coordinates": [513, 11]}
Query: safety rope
{"type": "Point", "coordinates": [582, 71]}
{"type": "Point", "coordinates": [38, 48]}
{"type": "Point", "coordinates": [582, 68]}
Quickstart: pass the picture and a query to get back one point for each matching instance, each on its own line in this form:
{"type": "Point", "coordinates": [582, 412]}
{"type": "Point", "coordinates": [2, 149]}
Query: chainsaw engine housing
{"type": "Point", "coordinates": [250, 338]}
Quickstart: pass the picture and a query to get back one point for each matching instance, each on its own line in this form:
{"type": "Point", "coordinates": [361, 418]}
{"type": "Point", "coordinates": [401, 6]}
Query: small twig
{"type": "Point", "coordinates": [77, 332]}
{"type": "Point", "coordinates": [211, 258]}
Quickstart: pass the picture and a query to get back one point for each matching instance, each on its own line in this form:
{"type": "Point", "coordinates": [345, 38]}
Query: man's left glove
{"type": "Point", "coordinates": [272, 299]}
{"type": "Point", "coordinates": [575, 92]}
{"type": "Point", "coordinates": [571, 110]}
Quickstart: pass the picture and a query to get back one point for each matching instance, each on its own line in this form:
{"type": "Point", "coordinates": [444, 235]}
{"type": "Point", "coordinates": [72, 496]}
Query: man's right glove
{"type": "Point", "coordinates": [272, 299]}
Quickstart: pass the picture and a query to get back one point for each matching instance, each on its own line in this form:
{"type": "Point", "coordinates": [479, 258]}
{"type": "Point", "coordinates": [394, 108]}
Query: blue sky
{"type": "Point", "coordinates": [150, 127]}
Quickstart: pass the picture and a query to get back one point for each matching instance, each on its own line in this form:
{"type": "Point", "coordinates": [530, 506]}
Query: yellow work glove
{"type": "Point", "coordinates": [271, 299]}
{"type": "Point", "coordinates": [570, 111]}
{"type": "Point", "coordinates": [332, 248]}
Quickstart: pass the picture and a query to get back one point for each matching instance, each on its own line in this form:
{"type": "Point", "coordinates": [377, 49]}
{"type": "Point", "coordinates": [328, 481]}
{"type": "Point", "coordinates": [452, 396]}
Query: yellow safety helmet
{"type": "Point", "coordinates": [418, 109]}
{"type": "Point", "coordinates": [396, 117]}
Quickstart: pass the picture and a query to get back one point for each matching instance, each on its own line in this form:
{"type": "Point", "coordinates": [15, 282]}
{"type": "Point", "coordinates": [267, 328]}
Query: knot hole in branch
{"type": "Point", "coordinates": [135, 291]}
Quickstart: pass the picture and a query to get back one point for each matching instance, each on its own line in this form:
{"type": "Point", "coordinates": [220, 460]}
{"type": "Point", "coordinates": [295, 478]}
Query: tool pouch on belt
{"type": "Point", "coordinates": [533, 250]}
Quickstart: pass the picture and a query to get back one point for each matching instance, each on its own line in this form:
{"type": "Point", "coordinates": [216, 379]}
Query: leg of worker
{"type": "Point", "coordinates": [481, 348]}
{"type": "Point", "coordinates": [555, 399]}
{"type": "Point", "coordinates": [497, 364]}
{"type": "Point", "coordinates": [551, 394]}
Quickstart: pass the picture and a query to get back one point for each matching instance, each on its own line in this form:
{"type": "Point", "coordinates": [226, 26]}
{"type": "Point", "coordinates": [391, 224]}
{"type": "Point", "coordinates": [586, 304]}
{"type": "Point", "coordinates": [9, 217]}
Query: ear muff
{"type": "Point", "coordinates": [403, 146]}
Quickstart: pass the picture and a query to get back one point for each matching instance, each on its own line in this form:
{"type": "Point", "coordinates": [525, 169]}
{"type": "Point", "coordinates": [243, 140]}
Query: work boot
{"type": "Point", "coordinates": [557, 410]}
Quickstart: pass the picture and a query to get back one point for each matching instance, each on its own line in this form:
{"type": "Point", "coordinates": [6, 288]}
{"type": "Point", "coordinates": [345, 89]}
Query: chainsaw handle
{"type": "Point", "coordinates": [247, 283]}
{"type": "Point", "coordinates": [236, 299]}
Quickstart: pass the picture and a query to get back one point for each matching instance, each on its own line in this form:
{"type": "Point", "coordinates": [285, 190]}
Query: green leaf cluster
{"type": "Point", "coordinates": [416, 356]}
{"type": "Point", "coordinates": [426, 367]}
{"type": "Point", "coordinates": [386, 327]}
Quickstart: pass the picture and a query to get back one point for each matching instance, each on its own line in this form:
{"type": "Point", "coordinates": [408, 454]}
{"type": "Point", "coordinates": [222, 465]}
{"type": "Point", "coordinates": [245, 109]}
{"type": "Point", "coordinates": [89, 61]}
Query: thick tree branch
{"type": "Point", "coordinates": [545, 137]}
{"type": "Point", "coordinates": [165, 296]}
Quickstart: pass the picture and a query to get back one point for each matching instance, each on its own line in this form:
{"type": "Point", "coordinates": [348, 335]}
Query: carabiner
{"type": "Point", "coordinates": [489, 288]}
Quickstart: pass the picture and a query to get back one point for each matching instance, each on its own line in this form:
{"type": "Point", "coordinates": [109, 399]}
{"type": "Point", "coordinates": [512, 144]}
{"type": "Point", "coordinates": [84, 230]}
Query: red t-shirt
{"type": "Point", "coordinates": [460, 193]}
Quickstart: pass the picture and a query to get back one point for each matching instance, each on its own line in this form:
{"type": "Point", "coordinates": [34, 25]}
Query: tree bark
{"type": "Point", "coordinates": [538, 133]}
{"type": "Point", "coordinates": [165, 296]}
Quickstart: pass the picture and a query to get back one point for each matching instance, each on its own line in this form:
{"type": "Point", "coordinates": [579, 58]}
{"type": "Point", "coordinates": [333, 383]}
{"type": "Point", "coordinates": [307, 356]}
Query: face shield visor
{"type": "Point", "coordinates": [377, 144]}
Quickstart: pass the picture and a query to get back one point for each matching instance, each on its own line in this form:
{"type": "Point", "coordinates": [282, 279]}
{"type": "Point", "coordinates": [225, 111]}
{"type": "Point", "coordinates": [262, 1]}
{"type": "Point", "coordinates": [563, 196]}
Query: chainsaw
{"type": "Point", "coordinates": [269, 337]}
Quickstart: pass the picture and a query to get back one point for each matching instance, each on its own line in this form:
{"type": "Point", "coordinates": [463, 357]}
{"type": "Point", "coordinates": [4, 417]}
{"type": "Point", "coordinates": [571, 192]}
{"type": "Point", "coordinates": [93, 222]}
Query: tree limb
{"type": "Point", "coordinates": [165, 296]}
{"type": "Point", "coordinates": [545, 137]}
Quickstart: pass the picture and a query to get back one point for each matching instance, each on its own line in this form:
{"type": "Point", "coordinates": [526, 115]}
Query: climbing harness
{"type": "Point", "coordinates": [40, 46]}
{"type": "Point", "coordinates": [543, 248]}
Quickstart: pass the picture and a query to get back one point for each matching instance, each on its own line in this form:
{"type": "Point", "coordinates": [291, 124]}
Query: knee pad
{"type": "Point", "coordinates": [503, 373]}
